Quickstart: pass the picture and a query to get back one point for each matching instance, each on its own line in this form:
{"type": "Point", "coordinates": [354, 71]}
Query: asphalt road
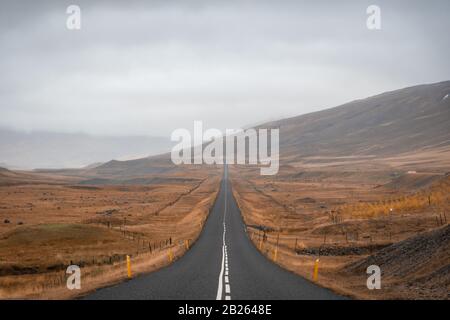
{"type": "Point", "coordinates": [222, 264]}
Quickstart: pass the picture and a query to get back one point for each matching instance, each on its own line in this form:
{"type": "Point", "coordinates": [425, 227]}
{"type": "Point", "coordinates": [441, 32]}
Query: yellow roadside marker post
{"type": "Point", "coordinates": [186, 243]}
{"type": "Point", "coordinates": [316, 270]}
{"type": "Point", "coordinates": [128, 267]}
{"type": "Point", "coordinates": [170, 255]}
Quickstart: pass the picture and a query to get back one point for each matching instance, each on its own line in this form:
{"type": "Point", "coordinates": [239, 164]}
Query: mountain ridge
{"type": "Point", "coordinates": [411, 120]}
{"type": "Point", "coordinates": [389, 123]}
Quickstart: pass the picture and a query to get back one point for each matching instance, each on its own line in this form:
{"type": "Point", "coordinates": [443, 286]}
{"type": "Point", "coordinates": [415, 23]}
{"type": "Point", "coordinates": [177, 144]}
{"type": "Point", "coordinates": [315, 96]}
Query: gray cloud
{"type": "Point", "coordinates": [147, 67]}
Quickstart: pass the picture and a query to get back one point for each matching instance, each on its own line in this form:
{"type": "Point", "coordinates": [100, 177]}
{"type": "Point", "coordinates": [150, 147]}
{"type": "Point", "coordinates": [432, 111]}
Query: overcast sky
{"type": "Point", "coordinates": [148, 67]}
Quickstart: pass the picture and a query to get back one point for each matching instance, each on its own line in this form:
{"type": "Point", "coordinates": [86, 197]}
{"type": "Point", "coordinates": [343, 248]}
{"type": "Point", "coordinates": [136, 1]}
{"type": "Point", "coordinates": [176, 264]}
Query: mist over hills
{"type": "Point", "coordinates": [20, 150]}
{"type": "Point", "coordinates": [409, 120]}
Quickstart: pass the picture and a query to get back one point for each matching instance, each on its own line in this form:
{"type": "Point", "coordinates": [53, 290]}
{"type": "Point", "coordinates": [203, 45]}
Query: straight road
{"type": "Point", "coordinates": [222, 264]}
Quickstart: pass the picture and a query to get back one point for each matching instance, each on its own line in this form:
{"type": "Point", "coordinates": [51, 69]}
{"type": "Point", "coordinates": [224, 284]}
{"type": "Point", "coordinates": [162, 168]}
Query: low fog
{"type": "Point", "coordinates": [148, 67]}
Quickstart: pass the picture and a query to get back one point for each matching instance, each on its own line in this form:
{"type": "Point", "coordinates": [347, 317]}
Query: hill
{"type": "Point", "coordinates": [407, 126]}
{"type": "Point", "coordinates": [421, 262]}
{"type": "Point", "coordinates": [414, 119]}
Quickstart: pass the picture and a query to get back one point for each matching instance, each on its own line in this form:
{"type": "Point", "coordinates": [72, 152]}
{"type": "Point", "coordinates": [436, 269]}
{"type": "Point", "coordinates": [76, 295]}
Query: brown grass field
{"type": "Point", "coordinates": [48, 223]}
{"type": "Point", "coordinates": [337, 210]}
{"type": "Point", "coordinates": [340, 213]}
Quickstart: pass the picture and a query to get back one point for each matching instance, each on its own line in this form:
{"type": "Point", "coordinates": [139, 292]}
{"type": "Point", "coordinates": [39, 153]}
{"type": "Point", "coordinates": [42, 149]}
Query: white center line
{"type": "Point", "coordinates": [224, 257]}
{"type": "Point", "coordinates": [219, 288]}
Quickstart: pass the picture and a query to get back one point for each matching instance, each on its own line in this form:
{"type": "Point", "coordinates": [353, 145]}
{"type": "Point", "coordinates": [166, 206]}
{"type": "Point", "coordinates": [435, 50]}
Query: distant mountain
{"type": "Point", "coordinates": [19, 150]}
{"type": "Point", "coordinates": [406, 120]}
{"type": "Point", "coordinates": [133, 168]}
{"type": "Point", "coordinates": [410, 120]}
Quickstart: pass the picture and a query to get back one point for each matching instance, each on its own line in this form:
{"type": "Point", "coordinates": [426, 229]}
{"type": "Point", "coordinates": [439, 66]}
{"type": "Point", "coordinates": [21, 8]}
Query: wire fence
{"type": "Point", "coordinates": [336, 244]}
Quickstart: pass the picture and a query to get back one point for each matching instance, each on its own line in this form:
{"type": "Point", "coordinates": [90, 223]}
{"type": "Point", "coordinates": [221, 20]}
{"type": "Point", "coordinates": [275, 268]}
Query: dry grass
{"type": "Point", "coordinates": [51, 226]}
{"type": "Point", "coordinates": [436, 198]}
{"type": "Point", "coordinates": [339, 215]}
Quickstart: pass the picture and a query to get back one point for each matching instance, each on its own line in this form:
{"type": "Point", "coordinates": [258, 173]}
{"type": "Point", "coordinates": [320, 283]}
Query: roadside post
{"type": "Point", "coordinates": [128, 267]}
{"type": "Point", "coordinates": [316, 270]}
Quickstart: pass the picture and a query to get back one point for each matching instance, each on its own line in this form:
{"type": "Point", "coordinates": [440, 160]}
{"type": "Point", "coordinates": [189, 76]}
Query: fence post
{"type": "Point", "coordinates": [275, 254]}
